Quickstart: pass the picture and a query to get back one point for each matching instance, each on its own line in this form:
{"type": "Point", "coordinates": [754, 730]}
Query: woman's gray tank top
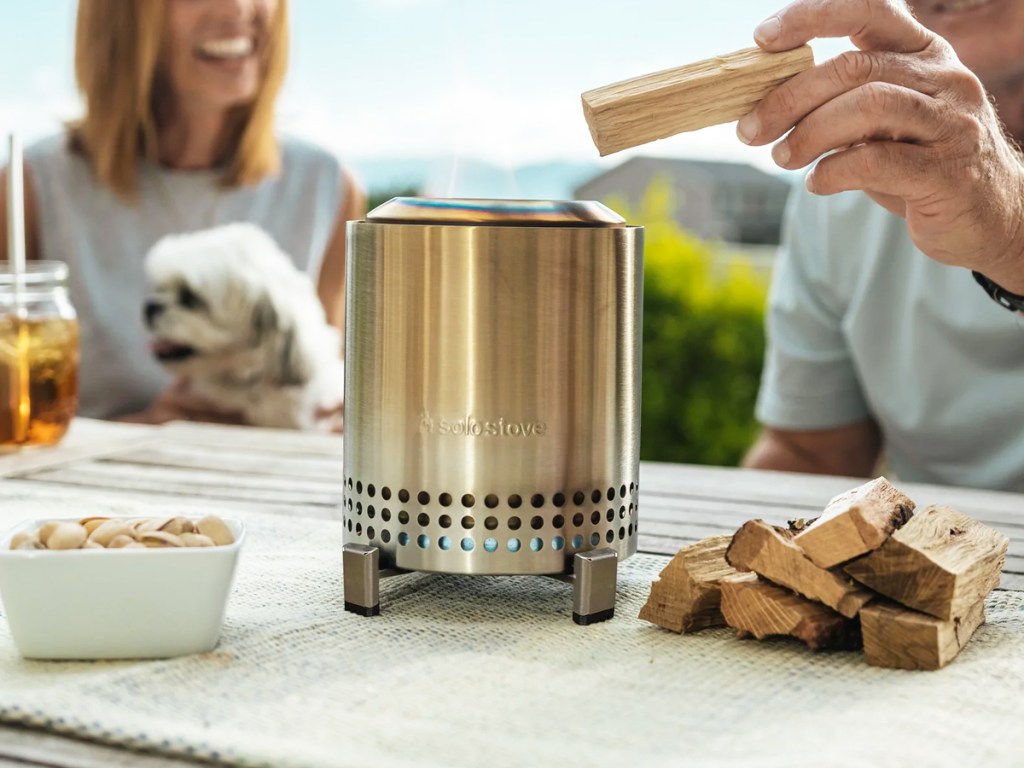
{"type": "Point", "coordinates": [104, 241]}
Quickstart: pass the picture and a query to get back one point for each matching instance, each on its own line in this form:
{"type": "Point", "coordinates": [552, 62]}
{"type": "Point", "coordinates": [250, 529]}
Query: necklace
{"type": "Point", "coordinates": [180, 220]}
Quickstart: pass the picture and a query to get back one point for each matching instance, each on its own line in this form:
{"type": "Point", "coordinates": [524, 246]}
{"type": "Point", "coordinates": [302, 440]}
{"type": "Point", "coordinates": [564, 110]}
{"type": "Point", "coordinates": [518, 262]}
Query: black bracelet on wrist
{"type": "Point", "coordinates": [1000, 295]}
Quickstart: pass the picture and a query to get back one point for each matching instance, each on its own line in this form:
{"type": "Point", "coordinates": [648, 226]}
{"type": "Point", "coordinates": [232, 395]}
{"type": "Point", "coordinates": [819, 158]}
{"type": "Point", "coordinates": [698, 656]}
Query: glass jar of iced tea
{"type": "Point", "coordinates": [38, 355]}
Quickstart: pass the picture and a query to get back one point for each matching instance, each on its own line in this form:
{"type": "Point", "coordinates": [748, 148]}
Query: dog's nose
{"type": "Point", "coordinates": [152, 310]}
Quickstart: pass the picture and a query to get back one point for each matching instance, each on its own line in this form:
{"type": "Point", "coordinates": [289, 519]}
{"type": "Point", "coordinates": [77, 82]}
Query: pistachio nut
{"type": "Point", "coordinates": [92, 523]}
{"type": "Point", "coordinates": [108, 530]}
{"type": "Point", "coordinates": [26, 540]}
{"type": "Point", "coordinates": [196, 540]}
{"type": "Point", "coordinates": [216, 529]}
{"type": "Point", "coordinates": [66, 536]}
{"type": "Point", "coordinates": [46, 530]}
{"type": "Point", "coordinates": [159, 539]}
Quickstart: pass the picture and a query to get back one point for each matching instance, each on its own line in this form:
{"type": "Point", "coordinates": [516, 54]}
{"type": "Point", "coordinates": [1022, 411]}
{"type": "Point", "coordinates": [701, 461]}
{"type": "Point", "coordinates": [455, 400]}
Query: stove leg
{"type": "Point", "coordinates": [593, 586]}
{"type": "Point", "coordinates": [361, 568]}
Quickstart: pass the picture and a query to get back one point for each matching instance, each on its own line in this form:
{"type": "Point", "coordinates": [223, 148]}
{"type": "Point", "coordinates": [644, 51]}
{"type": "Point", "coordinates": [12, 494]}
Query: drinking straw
{"type": "Point", "coordinates": [16, 259]}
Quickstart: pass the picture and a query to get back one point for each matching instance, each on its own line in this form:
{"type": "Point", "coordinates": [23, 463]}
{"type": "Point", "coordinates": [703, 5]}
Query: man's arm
{"type": "Point", "coordinates": [851, 451]}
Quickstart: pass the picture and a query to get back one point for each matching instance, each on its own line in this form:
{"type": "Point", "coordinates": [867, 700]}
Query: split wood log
{"type": "Point", "coordinates": [772, 553]}
{"type": "Point", "coordinates": [752, 606]}
{"type": "Point", "coordinates": [855, 523]}
{"type": "Point", "coordinates": [942, 562]}
{"type": "Point", "coordinates": [900, 638]}
{"type": "Point", "coordinates": [662, 104]}
{"type": "Point", "coordinates": [686, 596]}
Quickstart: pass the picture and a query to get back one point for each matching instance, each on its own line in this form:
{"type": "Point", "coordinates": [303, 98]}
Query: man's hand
{"type": "Point", "coordinates": [178, 403]}
{"type": "Point", "coordinates": [905, 122]}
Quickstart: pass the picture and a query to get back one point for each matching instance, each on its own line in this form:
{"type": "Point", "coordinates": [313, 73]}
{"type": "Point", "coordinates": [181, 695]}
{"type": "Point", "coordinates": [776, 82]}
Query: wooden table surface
{"type": "Point", "coordinates": [299, 475]}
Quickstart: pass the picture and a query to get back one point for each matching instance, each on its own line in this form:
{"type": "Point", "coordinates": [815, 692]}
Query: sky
{"type": "Point", "coordinates": [490, 80]}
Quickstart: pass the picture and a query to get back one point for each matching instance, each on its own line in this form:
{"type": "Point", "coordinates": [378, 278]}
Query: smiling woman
{"type": "Point", "coordinates": [192, 84]}
{"type": "Point", "coordinates": [177, 136]}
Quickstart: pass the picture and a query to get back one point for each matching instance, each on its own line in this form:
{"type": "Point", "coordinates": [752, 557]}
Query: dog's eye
{"type": "Point", "coordinates": [189, 298]}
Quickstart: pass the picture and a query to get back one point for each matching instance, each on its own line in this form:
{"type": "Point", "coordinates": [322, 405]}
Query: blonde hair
{"type": "Point", "coordinates": [117, 53]}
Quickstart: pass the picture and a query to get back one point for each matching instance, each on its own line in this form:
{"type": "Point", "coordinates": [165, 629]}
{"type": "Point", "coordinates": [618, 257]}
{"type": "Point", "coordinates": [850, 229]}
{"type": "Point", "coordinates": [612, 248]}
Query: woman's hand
{"type": "Point", "coordinates": [331, 419]}
{"type": "Point", "coordinates": [178, 403]}
{"type": "Point", "coordinates": [905, 122]}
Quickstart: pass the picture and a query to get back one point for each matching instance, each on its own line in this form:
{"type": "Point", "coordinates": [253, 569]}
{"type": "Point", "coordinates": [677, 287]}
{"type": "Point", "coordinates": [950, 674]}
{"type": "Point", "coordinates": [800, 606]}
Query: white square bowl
{"type": "Point", "coordinates": [116, 603]}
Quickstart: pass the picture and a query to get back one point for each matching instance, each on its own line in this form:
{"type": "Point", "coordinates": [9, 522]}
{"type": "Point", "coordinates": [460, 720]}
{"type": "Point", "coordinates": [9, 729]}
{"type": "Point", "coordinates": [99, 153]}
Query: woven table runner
{"type": "Point", "coordinates": [465, 671]}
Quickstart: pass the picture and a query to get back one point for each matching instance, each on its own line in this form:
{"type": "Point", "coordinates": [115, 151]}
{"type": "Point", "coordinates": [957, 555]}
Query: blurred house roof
{"type": "Point", "coordinates": [709, 170]}
{"type": "Point", "coordinates": [715, 200]}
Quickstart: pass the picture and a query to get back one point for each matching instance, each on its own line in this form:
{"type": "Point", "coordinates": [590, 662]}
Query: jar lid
{"type": "Point", "coordinates": [36, 273]}
{"type": "Point", "coordinates": [496, 213]}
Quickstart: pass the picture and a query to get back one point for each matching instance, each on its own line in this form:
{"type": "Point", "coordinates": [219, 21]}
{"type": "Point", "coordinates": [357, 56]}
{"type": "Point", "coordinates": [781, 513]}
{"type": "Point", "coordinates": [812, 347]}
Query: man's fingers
{"type": "Point", "coordinates": [871, 113]}
{"type": "Point", "coordinates": [889, 169]}
{"type": "Point", "coordinates": [870, 24]}
{"type": "Point", "coordinates": [792, 101]}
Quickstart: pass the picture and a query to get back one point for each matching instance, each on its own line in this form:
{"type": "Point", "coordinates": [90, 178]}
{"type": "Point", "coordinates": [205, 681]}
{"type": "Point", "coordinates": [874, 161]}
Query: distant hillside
{"type": "Point", "coordinates": [451, 177]}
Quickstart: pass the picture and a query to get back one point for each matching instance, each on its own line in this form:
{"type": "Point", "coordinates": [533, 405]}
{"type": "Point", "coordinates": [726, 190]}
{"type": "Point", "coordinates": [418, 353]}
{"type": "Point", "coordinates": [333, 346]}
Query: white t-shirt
{"type": "Point", "coordinates": [862, 324]}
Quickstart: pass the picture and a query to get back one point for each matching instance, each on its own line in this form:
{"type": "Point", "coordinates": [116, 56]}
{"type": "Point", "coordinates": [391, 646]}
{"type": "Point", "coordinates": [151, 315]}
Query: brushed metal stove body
{"type": "Point", "coordinates": [492, 394]}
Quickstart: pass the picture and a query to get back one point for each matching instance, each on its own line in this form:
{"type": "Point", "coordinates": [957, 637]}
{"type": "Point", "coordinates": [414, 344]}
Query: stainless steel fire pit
{"type": "Point", "coordinates": [492, 394]}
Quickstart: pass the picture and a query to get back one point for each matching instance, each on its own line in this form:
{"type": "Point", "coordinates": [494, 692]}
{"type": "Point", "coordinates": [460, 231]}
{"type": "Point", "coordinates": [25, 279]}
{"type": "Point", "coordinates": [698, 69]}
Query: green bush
{"type": "Point", "coordinates": [703, 349]}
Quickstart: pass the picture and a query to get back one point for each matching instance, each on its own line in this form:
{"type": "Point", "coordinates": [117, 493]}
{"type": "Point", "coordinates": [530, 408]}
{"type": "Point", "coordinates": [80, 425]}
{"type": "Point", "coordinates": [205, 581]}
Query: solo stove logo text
{"type": "Point", "coordinates": [469, 426]}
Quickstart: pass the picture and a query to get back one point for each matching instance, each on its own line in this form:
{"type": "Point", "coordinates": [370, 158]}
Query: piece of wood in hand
{"type": "Point", "coordinates": [855, 523]}
{"type": "Point", "coordinates": [752, 606]}
{"type": "Point", "coordinates": [772, 553]}
{"type": "Point", "coordinates": [710, 92]}
{"type": "Point", "coordinates": [686, 596]}
{"type": "Point", "coordinates": [941, 562]}
{"type": "Point", "coordinates": [900, 638]}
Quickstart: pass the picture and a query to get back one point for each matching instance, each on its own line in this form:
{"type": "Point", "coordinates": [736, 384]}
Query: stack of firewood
{"type": "Point", "coordinates": [908, 587]}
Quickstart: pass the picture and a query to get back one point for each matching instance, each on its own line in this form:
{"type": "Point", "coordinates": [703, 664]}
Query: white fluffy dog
{"type": "Point", "coordinates": [232, 313]}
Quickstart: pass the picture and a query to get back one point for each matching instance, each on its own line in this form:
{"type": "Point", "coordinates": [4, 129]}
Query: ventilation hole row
{"type": "Point", "coordinates": [491, 544]}
{"type": "Point", "coordinates": [491, 501]}
{"type": "Point", "coordinates": [491, 523]}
